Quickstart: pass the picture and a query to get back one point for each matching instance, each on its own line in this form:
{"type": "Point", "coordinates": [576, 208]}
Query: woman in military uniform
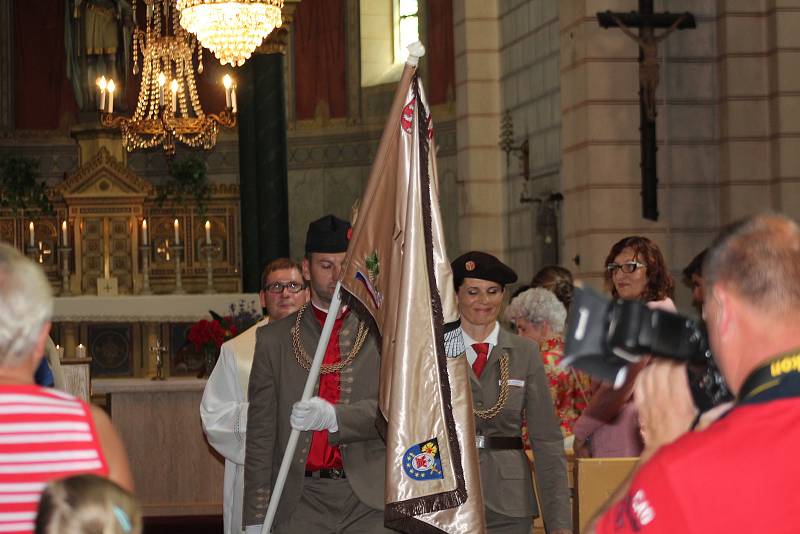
{"type": "Point", "coordinates": [508, 382]}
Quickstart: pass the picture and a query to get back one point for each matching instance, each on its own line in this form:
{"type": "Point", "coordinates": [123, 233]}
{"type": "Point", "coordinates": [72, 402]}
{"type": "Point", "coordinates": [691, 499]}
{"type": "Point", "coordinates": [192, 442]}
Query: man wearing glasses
{"type": "Point", "coordinates": [224, 407]}
{"type": "Point", "coordinates": [336, 478]}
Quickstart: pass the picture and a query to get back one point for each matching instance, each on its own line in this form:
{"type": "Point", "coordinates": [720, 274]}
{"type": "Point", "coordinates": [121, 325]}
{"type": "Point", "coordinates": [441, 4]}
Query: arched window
{"type": "Point", "coordinates": [387, 28]}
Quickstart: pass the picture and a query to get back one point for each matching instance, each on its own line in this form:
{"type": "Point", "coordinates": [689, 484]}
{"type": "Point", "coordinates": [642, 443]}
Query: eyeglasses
{"type": "Point", "coordinates": [627, 267]}
{"type": "Point", "coordinates": [278, 287]}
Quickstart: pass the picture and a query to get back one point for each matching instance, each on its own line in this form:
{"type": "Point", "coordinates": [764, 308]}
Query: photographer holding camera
{"type": "Point", "coordinates": [739, 474]}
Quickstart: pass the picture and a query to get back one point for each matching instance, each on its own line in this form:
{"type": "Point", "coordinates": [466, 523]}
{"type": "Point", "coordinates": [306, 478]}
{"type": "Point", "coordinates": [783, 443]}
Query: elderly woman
{"type": "Point", "coordinates": [508, 381]}
{"type": "Point", "coordinates": [609, 427]}
{"type": "Point", "coordinates": [538, 315]}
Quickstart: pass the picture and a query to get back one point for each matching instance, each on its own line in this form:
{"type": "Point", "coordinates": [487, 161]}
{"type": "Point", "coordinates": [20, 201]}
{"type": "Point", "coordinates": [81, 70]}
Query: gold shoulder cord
{"type": "Point", "coordinates": [492, 412]}
{"type": "Point", "coordinates": [302, 356]}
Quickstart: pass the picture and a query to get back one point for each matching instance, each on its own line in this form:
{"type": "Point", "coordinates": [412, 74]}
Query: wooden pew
{"type": "Point", "coordinates": [595, 480]}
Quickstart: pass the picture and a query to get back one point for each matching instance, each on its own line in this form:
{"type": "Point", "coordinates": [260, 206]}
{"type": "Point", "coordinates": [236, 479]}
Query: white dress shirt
{"type": "Point", "coordinates": [491, 339]}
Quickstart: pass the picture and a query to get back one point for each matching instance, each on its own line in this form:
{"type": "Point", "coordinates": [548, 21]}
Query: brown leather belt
{"type": "Point", "coordinates": [334, 474]}
{"type": "Point", "coordinates": [494, 442]}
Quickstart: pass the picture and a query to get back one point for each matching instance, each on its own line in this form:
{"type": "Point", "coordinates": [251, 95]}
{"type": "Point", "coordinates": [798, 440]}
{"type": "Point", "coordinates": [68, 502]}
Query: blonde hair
{"type": "Point", "coordinates": [87, 504]}
{"type": "Point", "coordinates": [26, 304]}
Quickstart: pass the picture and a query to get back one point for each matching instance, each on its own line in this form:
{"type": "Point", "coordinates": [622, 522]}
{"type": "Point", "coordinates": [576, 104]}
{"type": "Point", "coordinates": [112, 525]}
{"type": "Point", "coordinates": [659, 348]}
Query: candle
{"type": "Point", "coordinates": [64, 239]}
{"type": "Point", "coordinates": [177, 233]}
{"type": "Point", "coordinates": [162, 80]}
{"type": "Point", "coordinates": [111, 87]}
{"type": "Point", "coordinates": [227, 82]}
{"type": "Point", "coordinates": [33, 239]}
{"type": "Point", "coordinates": [174, 88]}
{"type": "Point", "coordinates": [60, 352]}
{"type": "Point", "coordinates": [80, 351]}
{"type": "Point", "coordinates": [208, 232]}
{"type": "Point", "coordinates": [233, 99]}
{"type": "Point", "coordinates": [102, 84]}
{"type": "Point", "coordinates": [144, 232]}
{"type": "Point", "coordinates": [107, 267]}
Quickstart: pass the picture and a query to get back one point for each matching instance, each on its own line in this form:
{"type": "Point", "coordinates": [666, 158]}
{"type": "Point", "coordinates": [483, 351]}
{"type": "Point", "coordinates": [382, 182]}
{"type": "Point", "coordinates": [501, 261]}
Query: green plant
{"type": "Point", "coordinates": [20, 188]}
{"type": "Point", "coordinates": [187, 180]}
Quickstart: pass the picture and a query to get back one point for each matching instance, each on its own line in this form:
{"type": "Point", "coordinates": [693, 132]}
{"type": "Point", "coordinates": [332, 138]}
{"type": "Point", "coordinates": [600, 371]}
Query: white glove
{"type": "Point", "coordinates": [415, 51]}
{"type": "Point", "coordinates": [314, 414]}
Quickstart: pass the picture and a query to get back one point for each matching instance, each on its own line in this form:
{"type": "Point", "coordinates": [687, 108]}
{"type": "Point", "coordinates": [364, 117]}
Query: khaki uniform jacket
{"type": "Point", "coordinates": [276, 383]}
{"type": "Point", "coordinates": [505, 474]}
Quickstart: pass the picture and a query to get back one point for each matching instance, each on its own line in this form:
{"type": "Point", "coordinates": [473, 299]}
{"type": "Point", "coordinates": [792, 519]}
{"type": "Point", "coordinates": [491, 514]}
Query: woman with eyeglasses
{"type": "Point", "coordinates": [609, 427]}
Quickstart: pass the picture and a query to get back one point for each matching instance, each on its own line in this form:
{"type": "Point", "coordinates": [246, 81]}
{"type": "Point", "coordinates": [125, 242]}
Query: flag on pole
{"type": "Point", "coordinates": [397, 267]}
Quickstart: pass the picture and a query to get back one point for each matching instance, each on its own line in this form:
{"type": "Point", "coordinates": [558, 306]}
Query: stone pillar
{"type": "Point", "coordinates": [263, 167]}
{"type": "Point", "coordinates": [745, 129]}
{"type": "Point", "coordinates": [784, 106]}
{"type": "Point", "coordinates": [6, 71]}
{"type": "Point", "coordinates": [482, 189]}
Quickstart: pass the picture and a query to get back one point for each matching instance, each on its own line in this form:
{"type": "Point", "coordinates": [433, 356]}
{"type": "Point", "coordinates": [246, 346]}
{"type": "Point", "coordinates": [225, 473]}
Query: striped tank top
{"type": "Point", "coordinates": [45, 434]}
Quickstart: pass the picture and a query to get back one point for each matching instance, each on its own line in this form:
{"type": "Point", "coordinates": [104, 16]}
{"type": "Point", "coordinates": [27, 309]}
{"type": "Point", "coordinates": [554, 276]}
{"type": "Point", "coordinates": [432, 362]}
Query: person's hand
{"type": "Point", "coordinates": [581, 448]}
{"type": "Point", "coordinates": [313, 414]}
{"type": "Point", "coordinates": [664, 402]}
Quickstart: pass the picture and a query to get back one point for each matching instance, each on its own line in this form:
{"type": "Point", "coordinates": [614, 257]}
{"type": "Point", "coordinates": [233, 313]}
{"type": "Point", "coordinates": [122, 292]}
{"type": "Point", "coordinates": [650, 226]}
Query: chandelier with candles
{"type": "Point", "coordinates": [168, 108]}
{"type": "Point", "coordinates": [232, 29]}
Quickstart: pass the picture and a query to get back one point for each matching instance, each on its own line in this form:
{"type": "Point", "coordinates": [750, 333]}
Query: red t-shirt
{"type": "Point", "coordinates": [741, 475]}
{"type": "Point", "coordinates": [321, 454]}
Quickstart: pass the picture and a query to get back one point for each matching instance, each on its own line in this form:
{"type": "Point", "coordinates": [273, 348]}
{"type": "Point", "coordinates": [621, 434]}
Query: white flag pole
{"type": "Point", "coordinates": [313, 375]}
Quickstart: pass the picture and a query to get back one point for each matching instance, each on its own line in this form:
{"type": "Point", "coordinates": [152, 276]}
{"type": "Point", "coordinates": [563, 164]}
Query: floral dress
{"type": "Point", "coordinates": [570, 389]}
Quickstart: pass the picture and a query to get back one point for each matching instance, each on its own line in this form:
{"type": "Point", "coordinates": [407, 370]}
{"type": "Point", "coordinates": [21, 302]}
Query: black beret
{"type": "Point", "coordinates": [484, 266]}
{"type": "Point", "coordinates": [328, 234]}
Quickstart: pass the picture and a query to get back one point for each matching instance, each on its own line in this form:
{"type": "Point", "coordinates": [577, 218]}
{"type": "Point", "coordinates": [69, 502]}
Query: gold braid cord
{"type": "Point", "coordinates": [492, 412]}
{"type": "Point", "coordinates": [302, 356]}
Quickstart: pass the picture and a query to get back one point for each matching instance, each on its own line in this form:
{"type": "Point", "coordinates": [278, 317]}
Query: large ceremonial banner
{"type": "Point", "coordinates": [397, 267]}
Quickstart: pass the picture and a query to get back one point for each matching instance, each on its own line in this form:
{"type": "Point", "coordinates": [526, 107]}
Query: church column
{"type": "Point", "coordinates": [6, 78]}
{"type": "Point", "coordinates": [482, 188]}
{"type": "Point", "coordinates": [263, 167]}
{"type": "Point", "coordinates": [784, 98]}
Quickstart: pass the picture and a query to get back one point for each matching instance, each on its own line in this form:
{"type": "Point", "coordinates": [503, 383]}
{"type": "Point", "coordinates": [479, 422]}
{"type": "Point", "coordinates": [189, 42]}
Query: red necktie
{"type": "Point", "coordinates": [482, 350]}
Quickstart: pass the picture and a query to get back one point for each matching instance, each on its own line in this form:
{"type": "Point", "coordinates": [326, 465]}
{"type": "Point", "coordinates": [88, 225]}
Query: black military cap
{"type": "Point", "coordinates": [481, 265]}
{"type": "Point", "coordinates": [328, 234]}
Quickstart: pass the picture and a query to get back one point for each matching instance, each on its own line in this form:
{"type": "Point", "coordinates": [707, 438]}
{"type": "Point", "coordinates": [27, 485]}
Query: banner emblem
{"type": "Point", "coordinates": [408, 116]}
{"type": "Point", "coordinates": [422, 461]}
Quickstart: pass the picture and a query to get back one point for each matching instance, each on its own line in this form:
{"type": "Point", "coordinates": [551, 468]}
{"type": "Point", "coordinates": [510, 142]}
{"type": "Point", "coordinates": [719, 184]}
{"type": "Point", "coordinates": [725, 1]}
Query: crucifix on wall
{"type": "Point", "coordinates": [646, 21]}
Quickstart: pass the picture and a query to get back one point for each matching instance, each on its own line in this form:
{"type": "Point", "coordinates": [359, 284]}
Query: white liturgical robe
{"type": "Point", "coordinates": [224, 415]}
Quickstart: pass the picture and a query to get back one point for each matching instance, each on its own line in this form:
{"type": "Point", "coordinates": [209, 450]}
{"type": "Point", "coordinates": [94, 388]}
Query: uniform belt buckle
{"type": "Point", "coordinates": [480, 441]}
{"type": "Point", "coordinates": [336, 474]}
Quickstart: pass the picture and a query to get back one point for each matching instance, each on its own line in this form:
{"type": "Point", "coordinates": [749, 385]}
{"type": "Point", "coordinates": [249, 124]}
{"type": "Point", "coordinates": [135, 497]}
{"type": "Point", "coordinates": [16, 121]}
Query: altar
{"type": "Point", "coordinates": [175, 471]}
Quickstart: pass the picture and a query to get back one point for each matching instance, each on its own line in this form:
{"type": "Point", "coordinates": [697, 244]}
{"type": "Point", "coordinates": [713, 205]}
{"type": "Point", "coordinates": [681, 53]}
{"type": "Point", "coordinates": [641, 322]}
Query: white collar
{"type": "Point", "coordinates": [491, 339]}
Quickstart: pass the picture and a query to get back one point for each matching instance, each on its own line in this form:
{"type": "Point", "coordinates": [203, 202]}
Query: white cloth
{"type": "Point", "coordinates": [224, 415]}
{"type": "Point", "coordinates": [491, 339]}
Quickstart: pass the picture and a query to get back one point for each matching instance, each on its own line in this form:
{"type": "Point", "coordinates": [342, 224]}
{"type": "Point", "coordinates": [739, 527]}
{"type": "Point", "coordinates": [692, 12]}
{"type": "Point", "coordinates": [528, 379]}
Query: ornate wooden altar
{"type": "Point", "coordinates": [104, 204]}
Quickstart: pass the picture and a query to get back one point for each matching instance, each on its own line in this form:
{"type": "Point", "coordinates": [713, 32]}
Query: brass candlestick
{"type": "Point", "coordinates": [64, 253]}
{"type": "Point", "coordinates": [144, 251]}
{"type": "Point", "coordinates": [207, 249]}
{"type": "Point", "coordinates": [177, 249]}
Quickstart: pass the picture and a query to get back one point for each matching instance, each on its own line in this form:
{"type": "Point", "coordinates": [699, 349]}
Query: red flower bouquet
{"type": "Point", "coordinates": [208, 336]}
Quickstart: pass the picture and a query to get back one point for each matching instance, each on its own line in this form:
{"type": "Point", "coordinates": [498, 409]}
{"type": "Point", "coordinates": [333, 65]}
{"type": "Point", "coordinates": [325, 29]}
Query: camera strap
{"type": "Point", "coordinates": [776, 379]}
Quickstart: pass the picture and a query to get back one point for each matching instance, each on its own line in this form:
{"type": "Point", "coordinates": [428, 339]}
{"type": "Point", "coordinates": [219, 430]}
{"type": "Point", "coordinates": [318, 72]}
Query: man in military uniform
{"type": "Point", "coordinates": [508, 382]}
{"type": "Point", "coordinates": [336, 479]}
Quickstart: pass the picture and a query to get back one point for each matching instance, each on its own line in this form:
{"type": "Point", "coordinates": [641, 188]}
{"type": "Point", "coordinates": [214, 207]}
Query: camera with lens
{"type": "Point", "coordinates": [603, 336]}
